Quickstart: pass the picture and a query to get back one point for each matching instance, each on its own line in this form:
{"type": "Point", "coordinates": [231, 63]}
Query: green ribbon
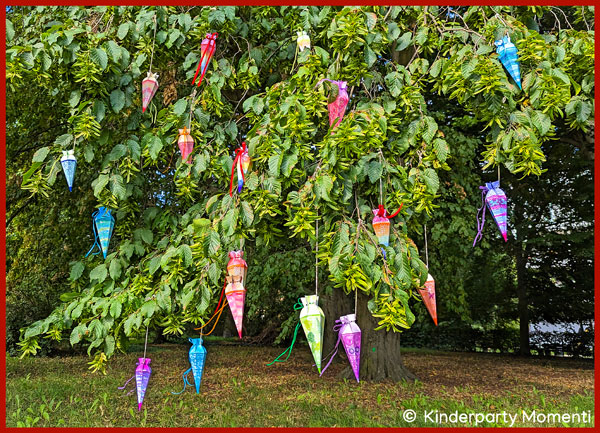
{"type": "Point", "coordinates": [297, 306]}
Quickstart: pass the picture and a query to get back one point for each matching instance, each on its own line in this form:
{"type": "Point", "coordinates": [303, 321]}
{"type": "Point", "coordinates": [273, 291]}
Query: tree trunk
{"type": "Point", "coordinates": [380, 357]}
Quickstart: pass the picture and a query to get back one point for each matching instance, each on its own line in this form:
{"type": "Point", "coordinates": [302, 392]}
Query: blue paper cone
{"type": "Point", "coordinates": [197, 356]}
{"type": "Point", "coordinates": [104, 223]}
{"type": "Point", "coordinates": [69, 163]}
{"type": "Point", "coordinates": [507, 53]}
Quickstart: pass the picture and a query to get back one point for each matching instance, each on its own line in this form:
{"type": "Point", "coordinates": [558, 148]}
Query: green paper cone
{"type": "Point", "coordinates": [313, 323]}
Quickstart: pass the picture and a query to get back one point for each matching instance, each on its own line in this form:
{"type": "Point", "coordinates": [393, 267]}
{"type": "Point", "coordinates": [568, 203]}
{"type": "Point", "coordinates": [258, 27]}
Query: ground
{"type": "Point", "coordinates": [239, 389]}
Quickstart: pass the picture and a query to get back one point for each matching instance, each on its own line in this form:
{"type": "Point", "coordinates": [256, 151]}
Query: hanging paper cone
{"type": "Point", "coordinates": [241, 163]}
{"type": "Point", "coordinates": [207, 49]}
{"type": "Point", "coordinates": [350, 333]}
{"type": "Point", "coordinates": [69, 164]}
{"type": "Point", "coordinates": [142, 376]}
{"type": "Point", "coordinates": [337, 108]}
{"type": "Point", "coordinates": [507, 53]}
{"type": "Point", "coordinates": [497, 203]}
{"type": "Point", "coordinates": [186, 145]}
{"type": "Point", "coordinates": [104, 223]}
{"type": "Point", "coordinates": [381, 225]}
{"type": "Point", "coordinates": [237, 266]}
{"type": "Point", "coordinates": [236, 297]}
{"type": "Point", "coordinates": [149, 88]}
{"type": "Point", "coordinates": [313, 322]}
{"type": "Point", "coordinates": [197, 356]}
{"type": "Point", "coordinates": [428, 294]}
{"type": "Point", "coordinates": [303, 40]}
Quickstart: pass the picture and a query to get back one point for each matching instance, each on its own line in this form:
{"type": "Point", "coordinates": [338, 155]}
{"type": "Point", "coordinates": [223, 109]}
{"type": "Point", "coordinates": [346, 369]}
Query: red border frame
{"type": "Point", "coordinates": [260, 3]}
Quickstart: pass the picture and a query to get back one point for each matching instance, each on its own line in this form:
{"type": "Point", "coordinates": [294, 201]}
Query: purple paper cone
{"type": "Point", "coordinates": [351, 340]}
{"type": "Point", "coordinates": [142, 376]}
{"type": "Point", "coordinates": [496, 202]}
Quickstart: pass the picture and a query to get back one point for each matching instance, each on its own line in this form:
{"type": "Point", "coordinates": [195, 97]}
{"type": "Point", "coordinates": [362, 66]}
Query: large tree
{"type": "Point", "coordinates": [176, 222]}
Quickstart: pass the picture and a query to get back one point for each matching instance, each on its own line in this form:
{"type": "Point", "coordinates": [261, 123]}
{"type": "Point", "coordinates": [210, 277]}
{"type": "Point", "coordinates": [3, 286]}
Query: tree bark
{"type": "Point", "coordinates": [380, 357]}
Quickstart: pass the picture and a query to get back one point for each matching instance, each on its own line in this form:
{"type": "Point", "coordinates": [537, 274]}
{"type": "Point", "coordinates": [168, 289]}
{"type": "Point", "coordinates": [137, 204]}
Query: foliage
{"type": "Point", "coordinates": [175, 222]}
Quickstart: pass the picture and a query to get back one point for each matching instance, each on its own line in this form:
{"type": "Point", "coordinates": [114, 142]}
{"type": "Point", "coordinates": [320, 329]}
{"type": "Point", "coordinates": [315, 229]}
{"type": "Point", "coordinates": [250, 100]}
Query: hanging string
{"type": "Point", "coordinates": [317, 258]}
{"type": "Point", "coordinates": [74, 142]}
{"type": "Point", "coordinates": [426, 252]}
{"type": "Point", "coordinates": [146, 342]}
{"type": "Point", "coordinates": [380, 183]}
{"type": "Point", "coordinates": [191, 110]}
{"type": "Point", "coordinates": [153, 41]}
{"type": "Point", "coordinates": [498, 173]}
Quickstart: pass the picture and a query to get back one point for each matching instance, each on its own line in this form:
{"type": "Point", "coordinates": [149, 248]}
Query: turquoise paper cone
{"type": "Point", "coordinates": [507, 53]}
{"type": "Point", "coordinates": [104, 223]}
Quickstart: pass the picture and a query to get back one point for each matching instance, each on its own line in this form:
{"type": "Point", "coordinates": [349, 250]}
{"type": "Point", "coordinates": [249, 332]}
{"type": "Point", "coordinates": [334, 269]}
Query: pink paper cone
{"type": "Point", "coordinates": [186, 145]}
{"type": "Point", "coordinates": [149, 88]}
{"type": "Point", "coordinates": [428, 294]}
{"type": "Point", "coordinates": [236, 296]}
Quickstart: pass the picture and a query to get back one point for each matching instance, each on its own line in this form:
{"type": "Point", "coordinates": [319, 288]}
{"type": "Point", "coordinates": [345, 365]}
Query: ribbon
{"type": "Point", "coordinates": [297, 306]}
{"type": "Point", "coordinates": [381, 212]}
{"type": "Point", "coordinates": [96, 236]}
{"type": "Point", "coordinates": [207, 54]}
{"type": "Point", "coordinates": [217, 310]}
{"type": "Point", "coordinates": [237, 160]}
{"type": "Point", "coordinates": [123, 387]}
{"type": "Point", "coordinates": [336, 327]}
{"type": "Point", "coordinates": [185, 381]}
{"type": "Point", "coordinates": [481, 222]}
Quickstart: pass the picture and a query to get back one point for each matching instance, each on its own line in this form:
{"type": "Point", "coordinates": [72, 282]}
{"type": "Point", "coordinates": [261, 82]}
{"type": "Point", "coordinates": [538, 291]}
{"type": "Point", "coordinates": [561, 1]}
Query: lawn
{"type": "Point", "coordinates": [239, 390]}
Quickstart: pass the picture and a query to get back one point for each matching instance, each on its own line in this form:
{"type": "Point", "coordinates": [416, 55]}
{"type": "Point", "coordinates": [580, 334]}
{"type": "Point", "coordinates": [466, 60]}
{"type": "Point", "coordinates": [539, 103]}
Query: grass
{"type": "Point", "coordinates": [239, 390]}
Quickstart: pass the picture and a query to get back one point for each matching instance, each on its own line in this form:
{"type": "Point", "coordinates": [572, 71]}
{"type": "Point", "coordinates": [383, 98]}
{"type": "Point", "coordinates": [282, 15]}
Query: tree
{"type": "Point", "coordinates": [176, 222]}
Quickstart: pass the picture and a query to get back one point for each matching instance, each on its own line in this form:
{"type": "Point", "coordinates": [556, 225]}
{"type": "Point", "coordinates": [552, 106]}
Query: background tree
{"type": "Point", "coordinates": [421, 80]}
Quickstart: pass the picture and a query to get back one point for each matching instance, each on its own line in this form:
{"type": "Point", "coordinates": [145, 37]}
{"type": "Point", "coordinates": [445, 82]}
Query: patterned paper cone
{"type": "Point", "coordinates": [337, 108]}
{"type": "Point", "coordinates": [69, 164]}
{"type": "Point", "coordinates": [197, 356]}
{"type": "Point", "coordinates": [142, 376]}
{"type": "Point", "coordinates": [186, 145]}
{"type": "Point", "coordinates": [303, 40]}
{"type": "Point", "coordinates": [428, 294]}
{"type": "Point", "coordinates": [351, 334]}
{"type": "Point", "coordinates": [207, 49]}
{"type": "Point", "coordinates": [149, 88]}
{"type": "Point", "coordinates": [105, 224]}
{"type": "Point", "coordinates": [246, 161]}
{"type": "Point", "coordinates": [497, 203]}
{"type": "Point", "coordinates": [381, 225]}
{"type": "Point", "coordinates": [507, 53]}
{"type": "Point", "coordinates": [313, 322]}
{"type": "Point", "coordinates": [236, 296]}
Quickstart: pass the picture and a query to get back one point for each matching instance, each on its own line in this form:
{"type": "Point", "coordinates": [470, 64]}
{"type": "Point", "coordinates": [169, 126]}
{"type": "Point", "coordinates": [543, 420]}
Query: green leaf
{"type": "Point", "coordinates": [74, 98]}
{"type": "Point", "coordinates": [186, 253]}
{"type": "Point", "coordinates": [99, 273]}
{"type": "Point", "coordinates": [431, 180]}
{"type": "Point", "coordinates": [10, 30]}
{"type": "Point", "coordinates": [148, 308]}
{"type": "Point", "coordinates": [214, 242]}
{"type": "Point", "coordinates": [154, 144]}
{"type": "Point", "coordinates": [145, 234]}
{"type": "Point", "coordinates": [115, 269]}
{"type": "Point", "coordinates": [404, 41]}
{"type": "Point", "coordinates": [230, 221]}
{"type": "Point", "coordinates": [371, 20]}
{"type": "Point", "coordinates": [393, 32]}
{"type": "Point", "coordinates": [99, 57]}
{"type": "Point", "coordinates": [41, 154]}
{"type": "Point", "coordinates": [99, 110]}
{"type": "Point", "coordinates": [370, 56]}
{"type": "Point", "coordinates": [180, 106]}
{"type": "Point", "coordinates": [109, 345]}
{"type": "Point", "coordinates": [77, 334]}
{"type": "Point", "coordinates": [64, 140]}
{"type": "Point", "coordinates": [123, 30]}
{"type": "Point", "coordinates": [214, 273]}
{"type": "Point", "coordinates": [101, 182]}
{"type": "Point", "coordinates": [274, 164]}
{"type": "Point", "coordinates": [375, 170]}
{"type": "Point", "coordinates": [247, 214]}
{"type": "Point", "coordinates": [154, 264]}
{"type": "Point", "coordinates": [216, 16]}
{"type": "Point", "coordinates": [117, 100]}
{"type": "Point", "coordinates": [115, 309]}
{"type": "Point", "coordinates": [76, 271]}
